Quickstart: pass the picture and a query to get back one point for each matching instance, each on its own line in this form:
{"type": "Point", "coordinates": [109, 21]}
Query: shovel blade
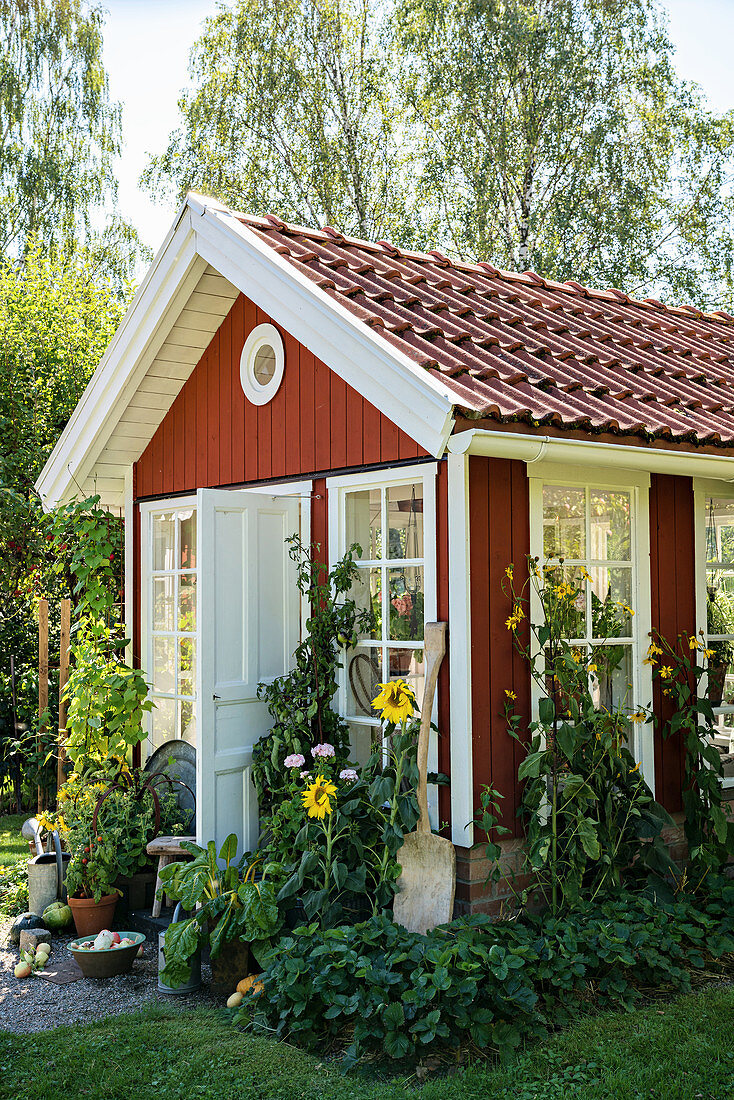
{"type": "Point", "coordinates": [425, 891]}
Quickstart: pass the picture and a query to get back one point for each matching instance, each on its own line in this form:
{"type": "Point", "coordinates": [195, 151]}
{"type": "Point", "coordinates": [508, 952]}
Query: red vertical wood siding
{"type": "Point", "coordinates": [499, 533]}
{"type": "Point", "coordinates": [673, 584]}
{"type": "Point", "coordinates": [212, 436]}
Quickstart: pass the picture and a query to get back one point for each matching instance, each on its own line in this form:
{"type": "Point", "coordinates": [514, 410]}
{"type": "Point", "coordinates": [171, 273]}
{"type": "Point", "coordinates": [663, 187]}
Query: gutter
{"type": "Point", "coordinates": [581, 452]}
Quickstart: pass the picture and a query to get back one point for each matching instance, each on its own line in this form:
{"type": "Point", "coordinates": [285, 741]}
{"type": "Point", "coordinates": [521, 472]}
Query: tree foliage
{"type": "Point", "coordinates": [552, 134]}
{"type": "Point", "coordinates": [293, 111]}
{"type": "Point", "coordinates": [59, 132]}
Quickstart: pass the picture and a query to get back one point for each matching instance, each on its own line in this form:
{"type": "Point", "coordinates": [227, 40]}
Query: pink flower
{"type": "Point", "coordinates": [403, 604]}
{"type": "Point", "coordinates": [349, 775]}
{"type": "Point", "coordinates": [322, 750]}
{"type": "Point", "coordinates": [305, 775]}
{"type": "Point", "coordinates": [295, 760]}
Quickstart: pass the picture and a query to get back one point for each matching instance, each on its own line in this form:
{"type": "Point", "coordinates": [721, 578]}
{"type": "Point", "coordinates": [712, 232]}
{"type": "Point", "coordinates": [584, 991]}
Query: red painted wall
{"type": "Point", "coordinates": [673, 576]}
{"type": "Point", "coordinates": [212, 436]}
{"type": "Point", "coordinates": [499, 533]}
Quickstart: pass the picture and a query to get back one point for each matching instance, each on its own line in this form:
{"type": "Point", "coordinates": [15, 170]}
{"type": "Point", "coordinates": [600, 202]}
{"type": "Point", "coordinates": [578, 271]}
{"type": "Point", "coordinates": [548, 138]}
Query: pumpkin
{"type": "Point", "coordinates": [250, 984]}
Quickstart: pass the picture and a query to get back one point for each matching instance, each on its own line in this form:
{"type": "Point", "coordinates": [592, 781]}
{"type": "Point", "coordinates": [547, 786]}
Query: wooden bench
{"type": "Point", "coordinates": [169, 850]}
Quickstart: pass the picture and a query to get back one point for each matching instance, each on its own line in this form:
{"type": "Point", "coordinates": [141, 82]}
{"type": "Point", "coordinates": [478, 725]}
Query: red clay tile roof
{"type": "Point", "coordinates": [517, 347]}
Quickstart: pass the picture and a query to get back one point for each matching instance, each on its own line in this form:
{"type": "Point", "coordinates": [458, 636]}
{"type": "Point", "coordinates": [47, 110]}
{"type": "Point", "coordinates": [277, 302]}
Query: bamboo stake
{"type": "Point", "coordinates": [63, 680]}
{"type": "Point", "coordinates": [42, 682]}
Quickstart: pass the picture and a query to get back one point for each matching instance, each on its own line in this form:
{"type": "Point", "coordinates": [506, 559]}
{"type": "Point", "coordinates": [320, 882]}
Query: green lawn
{"type": "Point", "coordinates": [678, 1051]}
{"type": "Point", "coordinates": [12, 845]}
{"type": "Point", "coordinates": [13, 879]}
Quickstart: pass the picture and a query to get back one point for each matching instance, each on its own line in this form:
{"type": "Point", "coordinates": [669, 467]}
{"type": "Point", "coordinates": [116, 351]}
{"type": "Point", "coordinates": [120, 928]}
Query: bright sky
{"type": "Point", "coordinates": [146, 52]}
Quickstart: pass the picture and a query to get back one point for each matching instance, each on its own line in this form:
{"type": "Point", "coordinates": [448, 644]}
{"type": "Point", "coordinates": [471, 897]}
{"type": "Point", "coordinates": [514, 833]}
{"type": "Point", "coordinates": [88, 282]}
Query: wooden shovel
{"type": "Point", "coordinates": [425, 893]}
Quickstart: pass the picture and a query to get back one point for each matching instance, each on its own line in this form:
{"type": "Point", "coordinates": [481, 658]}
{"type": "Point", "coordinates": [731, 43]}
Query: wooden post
{"type": "Point", "coordinates": [42, 680]}
{"type": "Point", "coordinates": [63, 680]}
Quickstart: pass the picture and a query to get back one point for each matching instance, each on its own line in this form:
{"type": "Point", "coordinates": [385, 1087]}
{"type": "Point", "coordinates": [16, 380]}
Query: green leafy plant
{"type": "Point", "coordinates": [378, 990]}
{"type": "Point", "coordinates": [680, 670]}
{"type": "Point", "coordinates": [232, 905]}
{"type": "Point", "coordinates": [590, 817]}
{"type": "Point", "coordinates": [300, 703]}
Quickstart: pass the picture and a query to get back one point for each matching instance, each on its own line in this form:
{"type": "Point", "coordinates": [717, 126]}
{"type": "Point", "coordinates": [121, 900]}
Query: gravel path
{"type": "Point", "coordinates": [34, 1004]}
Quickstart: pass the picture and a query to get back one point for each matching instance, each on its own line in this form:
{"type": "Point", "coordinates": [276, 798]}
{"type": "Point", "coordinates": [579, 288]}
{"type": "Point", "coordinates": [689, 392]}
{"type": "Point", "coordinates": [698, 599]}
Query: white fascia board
{"type": "Point", "coordinates": [142, 331]}
{"type": "Point", "coordinates": [583, 452]}
{"type": "Point", "coordinates": [408, 395]}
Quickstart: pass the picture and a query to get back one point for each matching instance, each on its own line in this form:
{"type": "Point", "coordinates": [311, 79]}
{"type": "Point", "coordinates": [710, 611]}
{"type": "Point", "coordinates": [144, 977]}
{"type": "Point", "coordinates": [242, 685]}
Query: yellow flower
{"type": "Point", "coordinates": [708, 654]}
{"type": "Point", "coordinates": [592, 668]}
{"type": "Point", "coordinates": [396, 701]}
{"type": "Point", "coordinates": [666, 672]}
{"type": "Point", "coordinates": [510, 694]}
{"type": "Point", "coordinates": [638, 716]}
{"type": "Point", "coordinates": [693, 642]}
{"type": "Point", "coordinates": [508, 572]}
{"type": "Point", "coordinates": [635, 769]}
{"type": "Point", "coordinates": [317, 797]}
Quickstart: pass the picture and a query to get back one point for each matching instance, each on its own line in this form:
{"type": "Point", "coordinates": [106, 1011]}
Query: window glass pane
{"type": "Point", "coordinates": [264, 366]}
{"type": "Point", "coordinates": [570, 616]}
{"type": "Point", "coordinates": [363, 522]}
{"type": "Point", "coordinates": [611, 682]}
{"type": "Point", "coordinates": [367, 594]}
{"type": "Point", "coordinates": [405, 521]}
{"type": "Point", "coordinates": [721, 675]}
{"type": "Point", "coordinates": [406, 603]}
{"type": "Point", "coordinates": [610, 525]}
{"type": "Point", "coordinates": [611, 596]}
{"type": "Point", "coordinates": [720, 530]}
{"type": "Point", "coordinates": [164, 534]}
{"type": "Point", "coordinates": [163, 589]}
{"type": "Point", "coordinates": [186, 666]}
{"type": "Point", "coordinates": [364, 673]}
{"type": "Point", "coordinates": [188, 721]}
{"type": "Point", "coordinates": [187, 602]}
{"type": "Point", "coordinates": [363, 740]}
{"type": "Point", "coordinates": [164, 665]}
{"type": "Point", "coordinates": [563, 522]}
{"type": "Point", "coordinates": [408, 665]}
{"type": "Point", "coordinates": [719, 602]}
{"type": "Point", "coordinates": [164, 721]}
{"type": "Point", "coordinates": [187, 535]}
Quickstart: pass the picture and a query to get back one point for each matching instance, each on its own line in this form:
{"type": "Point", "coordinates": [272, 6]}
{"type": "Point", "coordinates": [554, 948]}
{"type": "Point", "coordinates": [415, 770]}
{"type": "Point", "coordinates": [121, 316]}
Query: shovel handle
{"type": "Point", "coordinates": [435, 648]}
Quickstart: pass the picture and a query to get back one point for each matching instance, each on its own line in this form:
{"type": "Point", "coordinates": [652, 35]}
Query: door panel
{"type": "Point", "coordinates": [249, 626]}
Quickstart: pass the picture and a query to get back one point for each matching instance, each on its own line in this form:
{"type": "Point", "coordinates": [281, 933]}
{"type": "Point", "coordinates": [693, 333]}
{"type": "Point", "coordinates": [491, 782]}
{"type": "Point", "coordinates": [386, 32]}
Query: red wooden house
{"type": "Point", "coordinates": [449, 417]}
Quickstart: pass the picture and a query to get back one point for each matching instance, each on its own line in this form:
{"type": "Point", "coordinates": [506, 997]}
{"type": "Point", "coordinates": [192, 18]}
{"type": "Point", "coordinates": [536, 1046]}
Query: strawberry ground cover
{"type": "Point", "coordinates": [681, 1050]}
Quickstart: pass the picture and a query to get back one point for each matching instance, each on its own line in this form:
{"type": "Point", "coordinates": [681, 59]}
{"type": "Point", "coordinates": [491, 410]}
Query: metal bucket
{"type": "Point", "coordinates": [46, 874]}
{"type": "Point", "coordinates": [194, 981]}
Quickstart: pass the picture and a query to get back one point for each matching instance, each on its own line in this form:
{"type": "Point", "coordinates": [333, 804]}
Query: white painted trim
{"type": "Point", "coordinates": [460, 670]}
{"type": "Point", "coordinates": [129, 521]}
{"type": "Point", "coordinates": [701, 489]}
{"type": "Point", "coordinates": [337, 487]}
{"type": "Point", "coordinates": [261, 336]}
{"type": "Point", "coordinates": [584, 452]}
{"type": "Point", "coordinates": [637, 482]}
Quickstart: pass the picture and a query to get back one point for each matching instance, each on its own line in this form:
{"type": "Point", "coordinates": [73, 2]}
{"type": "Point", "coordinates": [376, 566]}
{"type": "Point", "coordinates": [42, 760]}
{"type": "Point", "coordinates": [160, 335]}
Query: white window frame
{"type": "Point", "coordinates": [147, 510]}
{"type": "Point", "coordinates": [703, 488]}
{"type": "Point", "coordinates": [337, 489]}
{"type": "Point", "coordinates": [265, 335]}
{"type": "Point", "coordinates": [638, 485]}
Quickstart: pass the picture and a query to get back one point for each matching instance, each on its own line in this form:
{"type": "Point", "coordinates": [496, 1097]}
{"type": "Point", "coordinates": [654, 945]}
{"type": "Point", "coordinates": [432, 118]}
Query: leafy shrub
{"type": "Point", "coordinates": [393, 992]}
{"type": "Point", "coordinates": [13, 889]}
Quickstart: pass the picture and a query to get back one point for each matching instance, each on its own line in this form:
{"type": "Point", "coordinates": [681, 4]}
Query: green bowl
{"type": "Point", "coordinates": [109, 962]}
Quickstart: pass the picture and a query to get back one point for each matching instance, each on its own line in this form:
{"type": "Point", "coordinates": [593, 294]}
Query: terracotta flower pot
{"type": "Point", "coordinates": [91, 916]}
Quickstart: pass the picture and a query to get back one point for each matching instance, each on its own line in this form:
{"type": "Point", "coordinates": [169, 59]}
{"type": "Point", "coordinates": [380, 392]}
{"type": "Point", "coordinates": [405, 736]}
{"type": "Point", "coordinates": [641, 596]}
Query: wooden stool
{"type": "Point", "coordinates": [169, 850]}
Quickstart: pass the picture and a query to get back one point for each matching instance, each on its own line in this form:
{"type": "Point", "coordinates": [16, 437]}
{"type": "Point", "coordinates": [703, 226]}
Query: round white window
{"type": "Point", "coordinates": [261, 364]}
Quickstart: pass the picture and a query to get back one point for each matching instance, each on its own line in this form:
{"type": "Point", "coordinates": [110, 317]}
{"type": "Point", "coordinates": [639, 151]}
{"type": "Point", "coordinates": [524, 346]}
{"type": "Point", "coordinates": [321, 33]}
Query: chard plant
{"type": "Point", "coordinates": [589, 814]}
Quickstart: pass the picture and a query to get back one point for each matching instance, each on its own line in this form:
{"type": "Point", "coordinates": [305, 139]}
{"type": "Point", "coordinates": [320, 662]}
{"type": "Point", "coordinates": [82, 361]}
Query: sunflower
{"type": "Point", "coordinates": [317, 797]}
{"type": "Point", "coordinates": [396, 701]}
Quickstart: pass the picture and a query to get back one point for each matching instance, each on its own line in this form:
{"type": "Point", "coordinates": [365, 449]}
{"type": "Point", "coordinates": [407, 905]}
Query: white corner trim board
{"type": "Point", "coordinates": [462, 771]}
{"type": "Point", "coordinates": [584, 452]}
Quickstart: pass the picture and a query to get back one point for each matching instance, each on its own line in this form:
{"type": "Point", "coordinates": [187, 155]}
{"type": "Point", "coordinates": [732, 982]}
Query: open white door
{"type": "Point", "coordinates": [249, 626]}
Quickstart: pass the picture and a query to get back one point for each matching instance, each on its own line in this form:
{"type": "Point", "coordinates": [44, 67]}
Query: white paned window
{"type": "Point", "coordinates": [601, 530]}
{"type": "Point", "coordinates": [393, 521]}
{"type": "Point", "coordinates": [170, 609]}
{"type": "Point", "coordinates": [715, 603]}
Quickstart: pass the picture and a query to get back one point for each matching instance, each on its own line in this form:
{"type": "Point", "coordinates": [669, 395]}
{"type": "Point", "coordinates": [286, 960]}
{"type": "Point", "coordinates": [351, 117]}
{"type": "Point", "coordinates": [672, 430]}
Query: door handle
{"type": "Point", "coordinates": [215, 697]}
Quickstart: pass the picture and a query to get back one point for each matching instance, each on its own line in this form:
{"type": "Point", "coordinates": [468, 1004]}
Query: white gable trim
{"type": "Point", "coordinates": [205, 232]}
